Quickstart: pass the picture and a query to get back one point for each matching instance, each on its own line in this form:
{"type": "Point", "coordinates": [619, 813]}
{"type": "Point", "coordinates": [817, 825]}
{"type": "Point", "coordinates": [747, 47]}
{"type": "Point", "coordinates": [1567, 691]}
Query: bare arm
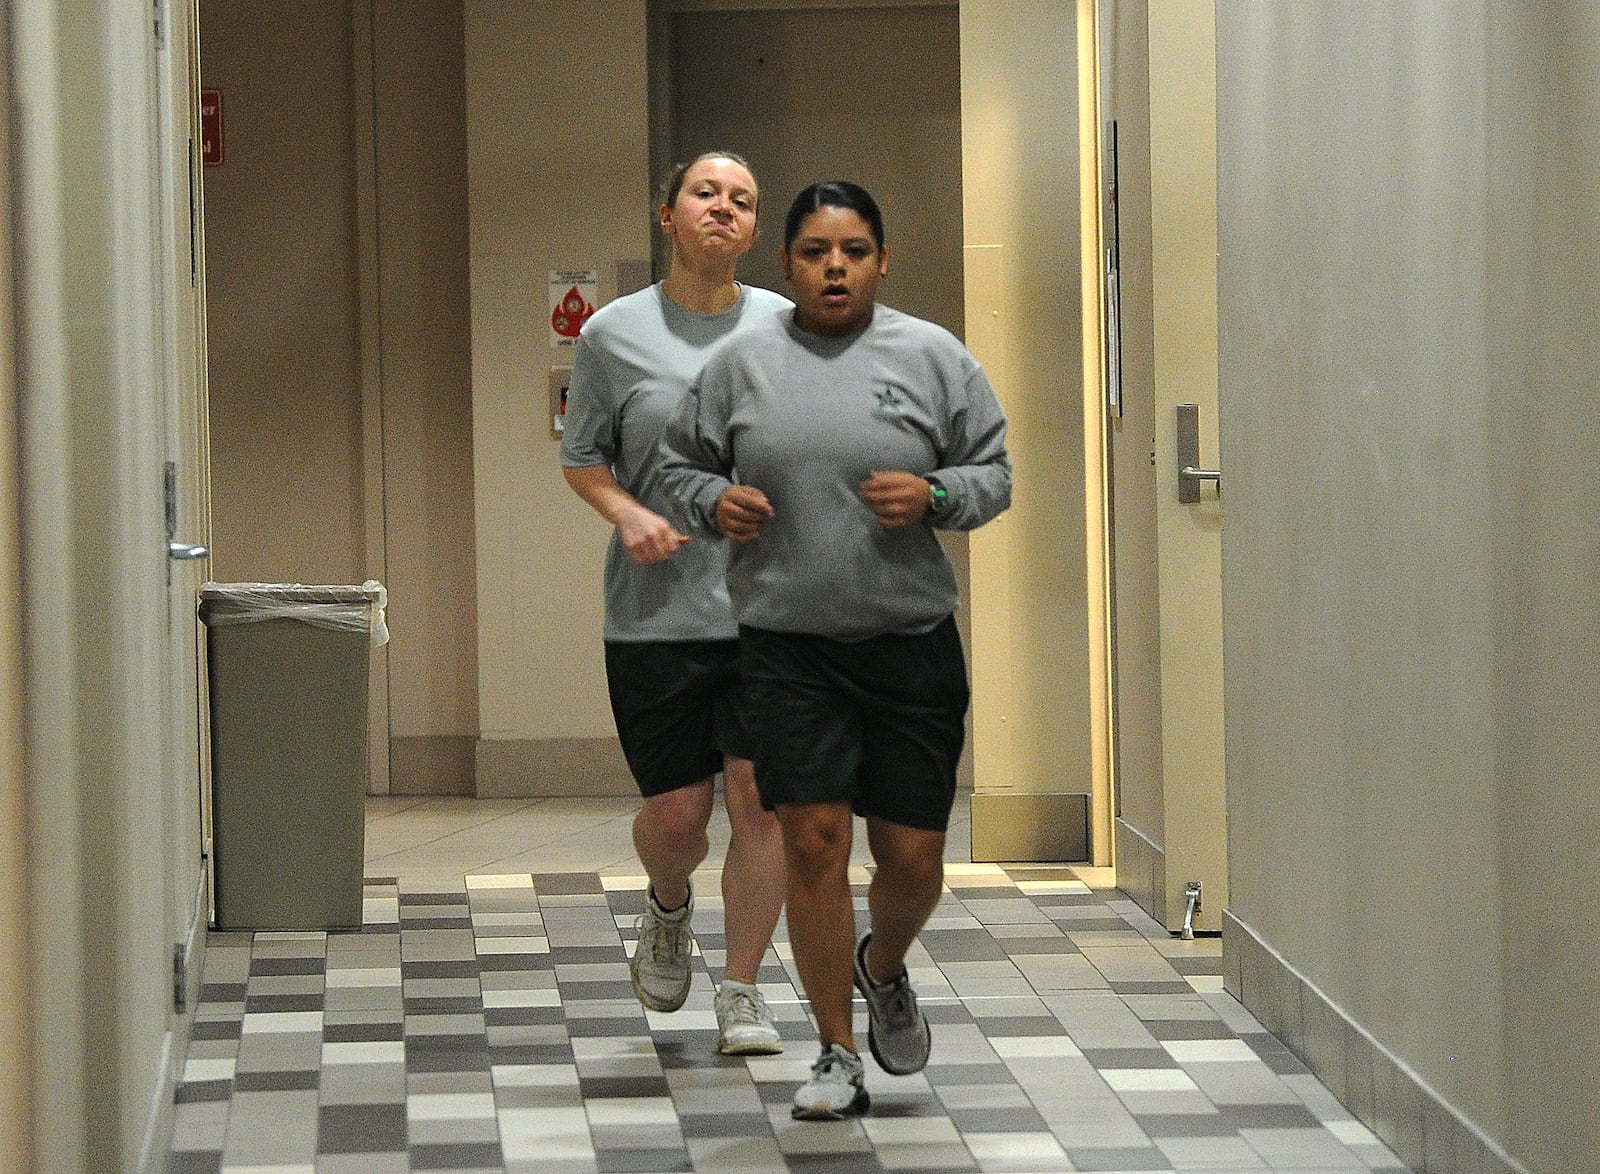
{"type": "Point", "coordinates": [646, 535]}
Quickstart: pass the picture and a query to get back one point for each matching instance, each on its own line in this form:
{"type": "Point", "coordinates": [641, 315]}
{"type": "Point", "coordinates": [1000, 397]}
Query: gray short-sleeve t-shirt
{"type": "Point", "coordinates": [632, 365]}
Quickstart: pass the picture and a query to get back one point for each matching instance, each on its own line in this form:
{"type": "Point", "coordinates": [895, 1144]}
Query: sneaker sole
{"type": "Point", "coordinates": [872, 1046]}
{"type": "Point", "coordinates": [650, 1002]}
{"type": "Point", "coordinates": [754, 1048]}
{"type": "Point", "coordinates": [821, 1112]}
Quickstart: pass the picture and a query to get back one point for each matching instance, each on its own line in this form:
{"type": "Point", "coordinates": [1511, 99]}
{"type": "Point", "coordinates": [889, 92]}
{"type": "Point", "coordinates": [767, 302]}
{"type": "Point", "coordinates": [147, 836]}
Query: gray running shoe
{"type": "Point", "coordinates": [836, 1089]}
{"type": "Point", "coordinates": [660, 963]}
{"type": "Point", "coordinates": [744, 1024]}
{"type": "Point", "coordinates": [897, 1032]}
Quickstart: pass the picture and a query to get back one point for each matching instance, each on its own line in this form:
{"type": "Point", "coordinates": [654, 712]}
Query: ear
{"type": "Point", "coordinates": [783, 261]}
{"type": "Point", "coordinates": [883, 261]}
{"type": "Point", "coordinates": [664, 216]}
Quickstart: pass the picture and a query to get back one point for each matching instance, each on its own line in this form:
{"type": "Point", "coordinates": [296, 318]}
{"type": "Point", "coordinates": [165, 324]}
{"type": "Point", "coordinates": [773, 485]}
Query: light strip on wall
{"type": "Point", "coordinates": [1096, 494]}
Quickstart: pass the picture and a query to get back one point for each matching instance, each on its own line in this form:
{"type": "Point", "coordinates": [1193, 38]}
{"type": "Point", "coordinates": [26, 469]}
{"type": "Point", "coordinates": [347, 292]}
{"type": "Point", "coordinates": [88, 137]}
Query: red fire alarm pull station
{"type": "Point", "coordinates": [211, 127]}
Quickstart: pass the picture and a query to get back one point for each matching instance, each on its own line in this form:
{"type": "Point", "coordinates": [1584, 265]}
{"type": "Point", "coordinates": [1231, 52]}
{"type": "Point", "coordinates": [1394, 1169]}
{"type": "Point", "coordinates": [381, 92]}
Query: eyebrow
{"type": "Point", "coordinates": [737, 190]}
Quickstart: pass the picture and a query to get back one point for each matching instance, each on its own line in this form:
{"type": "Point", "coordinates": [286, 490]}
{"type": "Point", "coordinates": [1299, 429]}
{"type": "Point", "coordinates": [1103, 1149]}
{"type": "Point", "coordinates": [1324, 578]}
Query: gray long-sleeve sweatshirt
{"type": "Point", "coordinates": [806, 420]}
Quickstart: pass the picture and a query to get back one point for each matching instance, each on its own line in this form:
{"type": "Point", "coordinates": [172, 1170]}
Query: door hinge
{"type": "Point", "coordinates": [180, 978]}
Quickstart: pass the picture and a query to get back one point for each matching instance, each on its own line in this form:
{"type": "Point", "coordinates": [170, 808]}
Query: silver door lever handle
{"type": "Point", "coordinates": [1189, 472]}
{"type": "Point", "coordinates": [184, 552]}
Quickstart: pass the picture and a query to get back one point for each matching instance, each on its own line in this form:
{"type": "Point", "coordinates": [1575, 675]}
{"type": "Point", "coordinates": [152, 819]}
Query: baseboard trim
{"type": "Point", "coordinates": [160, 1114]}
{"type": "Point", "coordinates": [1380, 1089]}
{"type": "Point", "coordinates": [1021, 827]}
{"type": "Point", "coordinates": [1141, 870]}
{"type": "Point", "coordinates": [517, 768]}
{"type": "Point", "coordinates": [433, 764]}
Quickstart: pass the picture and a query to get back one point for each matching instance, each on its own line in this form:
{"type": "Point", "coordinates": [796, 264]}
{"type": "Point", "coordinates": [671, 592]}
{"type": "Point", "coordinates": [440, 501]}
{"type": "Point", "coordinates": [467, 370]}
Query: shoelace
{"type": "Point", "coordinates": [827, 1062]}
{"type": "Point", "coordinates": [668, 940]}
{"type": "Point", "coordinates": [744, 1006]}
{"type": "Point", "coordinates": [901, 1004]}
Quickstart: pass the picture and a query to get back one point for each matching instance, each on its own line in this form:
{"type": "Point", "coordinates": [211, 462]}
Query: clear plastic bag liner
{"type": "Point", "coordinates": [341, 608]}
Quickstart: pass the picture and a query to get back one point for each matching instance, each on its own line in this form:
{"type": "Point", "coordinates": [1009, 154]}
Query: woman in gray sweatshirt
{"type": "Point", "coordinates": [829, 443]}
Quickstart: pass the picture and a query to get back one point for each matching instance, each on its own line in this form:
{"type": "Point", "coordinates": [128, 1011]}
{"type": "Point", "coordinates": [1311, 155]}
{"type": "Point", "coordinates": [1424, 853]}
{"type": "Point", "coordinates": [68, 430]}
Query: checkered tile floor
{"type": "Point", "coordinates": [491, 1027]}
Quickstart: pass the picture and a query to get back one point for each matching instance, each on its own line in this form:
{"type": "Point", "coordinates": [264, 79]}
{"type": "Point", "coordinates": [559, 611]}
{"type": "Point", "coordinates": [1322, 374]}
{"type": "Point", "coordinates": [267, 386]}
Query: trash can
{"type": "Point", "coordinates": [288, 696]}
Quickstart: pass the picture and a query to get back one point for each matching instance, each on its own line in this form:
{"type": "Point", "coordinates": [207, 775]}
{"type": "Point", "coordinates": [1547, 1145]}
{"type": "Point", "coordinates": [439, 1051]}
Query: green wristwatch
{"type": "Point", "coordinates": [937, 496]}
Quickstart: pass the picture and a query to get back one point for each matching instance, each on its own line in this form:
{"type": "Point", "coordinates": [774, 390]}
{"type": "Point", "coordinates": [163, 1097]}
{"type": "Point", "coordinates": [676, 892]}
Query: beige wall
{"type": "Point", "coordinates": [417, 300]}
{"type": "Point", "coordinates": [748, 80]}
{"type": "Point", "coordinates": [16, 1020]}
{"type": "Point", "coordinates": [558, 148]}
{"type": "Point", "coordinates": [1133, 442]}
{"type": "Point", "coordinates": [1409, 423]}
{"type": "Point", "coordinates": [455, 500]}
{"type": "Point", "coordinates": [339, 355]}
{"type": "Point", "coordinates": [283, 310]}
{"type": "Point", "coordinates": [574, 195]}
{"type": "Point", "coordinates": [545, 718]}
{"type": "Point", "coordinates": [1031, 700]}
{"type": "Point", "coordinates": [1543, 415]}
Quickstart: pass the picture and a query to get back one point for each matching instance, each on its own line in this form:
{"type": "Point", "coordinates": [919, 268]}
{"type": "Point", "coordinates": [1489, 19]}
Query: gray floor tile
{"type": "Point", "coordinates": [485, 1022]}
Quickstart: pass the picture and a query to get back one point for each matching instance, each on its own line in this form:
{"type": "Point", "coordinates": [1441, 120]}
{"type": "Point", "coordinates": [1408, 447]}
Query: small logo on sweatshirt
{"type": "Point", "coordinates": [891, 404]}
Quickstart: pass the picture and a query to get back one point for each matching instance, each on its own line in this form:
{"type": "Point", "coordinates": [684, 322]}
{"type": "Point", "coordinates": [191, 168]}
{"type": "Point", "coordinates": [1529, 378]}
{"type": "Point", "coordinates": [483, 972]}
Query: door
{"type": "Point", "coordinates": [106, 326]}
{"type": "Point", "coordinates": [179, 167]}
{"type": "Point", "coordinates": [1158, 83]}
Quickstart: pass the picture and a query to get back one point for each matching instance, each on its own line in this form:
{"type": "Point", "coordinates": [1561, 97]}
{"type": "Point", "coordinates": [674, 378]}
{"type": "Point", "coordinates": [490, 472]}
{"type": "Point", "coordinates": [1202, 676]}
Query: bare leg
{"type": "Point", "coordinates": [752, 872]}
{"type": "Point", "coordinates": [669, 833]}
{"type": "Point", "coordinates": [816, 843]}
{"type": "Point", "coordinates": [905, 888]}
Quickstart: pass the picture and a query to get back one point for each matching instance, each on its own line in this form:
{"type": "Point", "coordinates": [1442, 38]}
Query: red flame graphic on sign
{"type": "Point", "coordinates": [568, 317]}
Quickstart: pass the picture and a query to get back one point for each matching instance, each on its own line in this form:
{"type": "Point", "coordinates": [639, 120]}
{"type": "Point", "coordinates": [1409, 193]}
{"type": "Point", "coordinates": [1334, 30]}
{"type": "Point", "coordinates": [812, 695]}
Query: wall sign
{"type": "Point", "coordinates": [211, 127]}
{"type": "Point", "coordinates": [572, 296]}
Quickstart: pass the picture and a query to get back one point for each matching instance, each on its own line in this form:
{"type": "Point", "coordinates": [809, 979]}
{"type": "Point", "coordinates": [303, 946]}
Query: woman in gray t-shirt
{"type": "Point", "coordinates": [828, 444]}
{"type": "Point", "coordinates": [670, 638]}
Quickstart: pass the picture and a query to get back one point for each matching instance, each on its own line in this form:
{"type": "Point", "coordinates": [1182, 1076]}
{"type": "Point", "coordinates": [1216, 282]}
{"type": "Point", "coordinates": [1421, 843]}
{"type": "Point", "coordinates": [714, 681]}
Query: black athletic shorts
{"type": "Point", "coordinates": [877, 723]}
{"type": "Point", "coordinates": [678, 708]}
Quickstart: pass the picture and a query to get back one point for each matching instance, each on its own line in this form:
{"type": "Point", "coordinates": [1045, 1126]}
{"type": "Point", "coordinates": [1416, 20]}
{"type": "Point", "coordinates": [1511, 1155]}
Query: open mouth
{"type": "Point", "coordinates": [835, 295]}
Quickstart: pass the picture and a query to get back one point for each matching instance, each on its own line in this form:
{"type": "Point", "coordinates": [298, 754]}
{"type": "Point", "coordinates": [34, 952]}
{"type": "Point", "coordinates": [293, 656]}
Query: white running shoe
{"type": "Point", "coordinates": [836, 1089]}
{"type": "Point", "coordinates": [660, 962]}
{"type": "Point", "coordinates": [744, 1024]}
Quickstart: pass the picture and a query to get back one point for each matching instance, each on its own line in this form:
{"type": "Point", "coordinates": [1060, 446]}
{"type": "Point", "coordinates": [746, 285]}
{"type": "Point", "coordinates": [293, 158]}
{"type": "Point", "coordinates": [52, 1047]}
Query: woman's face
{"type": "Point", "coordinates": [835, 266]}
{"type": "Point", "coordinates": [714, 214]}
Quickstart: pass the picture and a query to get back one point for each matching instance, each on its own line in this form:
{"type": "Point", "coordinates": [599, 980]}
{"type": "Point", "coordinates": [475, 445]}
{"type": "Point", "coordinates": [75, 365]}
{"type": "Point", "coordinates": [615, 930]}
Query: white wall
{"type": "Point", "coordinates": [1409, 420]}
